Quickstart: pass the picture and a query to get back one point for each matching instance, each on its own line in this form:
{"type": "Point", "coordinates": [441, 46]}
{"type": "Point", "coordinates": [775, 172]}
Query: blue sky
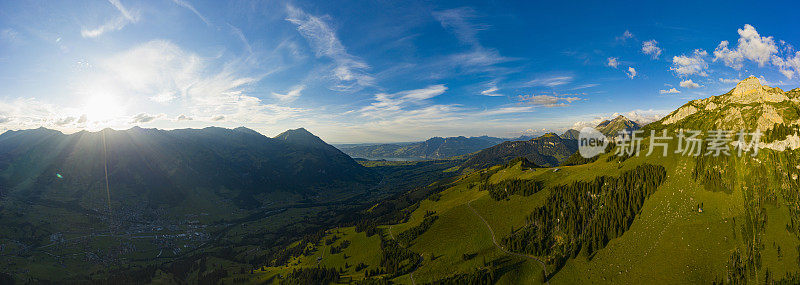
{"type": "Point", "coordinates": [379, 71]}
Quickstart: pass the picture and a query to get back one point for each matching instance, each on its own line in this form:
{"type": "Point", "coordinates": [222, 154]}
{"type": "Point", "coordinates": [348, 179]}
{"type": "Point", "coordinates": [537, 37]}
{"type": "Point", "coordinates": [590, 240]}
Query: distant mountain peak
{"type": "Point", "coordinates": [247, 130]}
{"type": "Point", "coordinates": [750, 90]}
{"type": "Point", "coordinates": [571, 134]}
{"type": "Point", "coordinates": [748, 84]}
{"type": "Point", "coordinates": [749, 105]}
{"type": "Point", "coordinates": [301, 136]}
{"type": "Point", "coordinates": [296, 132]}
{"type": "Point", "coordinates": [614, 126]}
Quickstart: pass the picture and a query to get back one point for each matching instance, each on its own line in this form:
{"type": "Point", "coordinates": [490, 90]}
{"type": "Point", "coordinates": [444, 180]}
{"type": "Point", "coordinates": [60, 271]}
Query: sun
{"type": "Point", "coordinates": [102, 110]}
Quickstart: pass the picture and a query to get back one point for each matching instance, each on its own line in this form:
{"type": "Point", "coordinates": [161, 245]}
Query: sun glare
{"type": "Point", "coordinates": [101, 110]}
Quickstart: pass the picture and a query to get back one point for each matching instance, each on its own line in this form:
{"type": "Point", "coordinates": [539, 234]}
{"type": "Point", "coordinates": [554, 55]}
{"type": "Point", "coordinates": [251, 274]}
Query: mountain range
{"type": "Point", "coordinates": [615, 219]}
{"type": "Point", "coordinates": [609, 128]}
{"type": "Point", "coordinates": [513, 212]}
{"type": "Point", "coordinates": [158, 167]}
{"type": "Point", "coordinates": [433, 148]}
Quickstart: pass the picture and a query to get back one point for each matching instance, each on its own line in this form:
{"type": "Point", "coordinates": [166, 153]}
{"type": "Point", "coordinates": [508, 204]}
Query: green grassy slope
{"type": "Point", "coordinates": [668, 242]}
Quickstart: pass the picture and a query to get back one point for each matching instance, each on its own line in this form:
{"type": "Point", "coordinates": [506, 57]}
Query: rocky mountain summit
{"type": "Point", "coordinates": [750, 105]}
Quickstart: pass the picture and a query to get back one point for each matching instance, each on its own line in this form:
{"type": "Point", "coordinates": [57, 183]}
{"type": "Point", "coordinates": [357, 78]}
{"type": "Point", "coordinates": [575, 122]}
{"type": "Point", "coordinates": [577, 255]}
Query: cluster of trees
{"type": "Point", "coordinates": [338, 248]}
{"type": "Point", "coordinates": [715, 173]}
{"type": "Point", "coordinates": [585, 215]}
{"type": "Point", "coordinates": [578, 159]}
{"type": "Point", "coordinates": [526, 164]}
{"type": "Point", "coordinates": [395, 259]}
{"type": "Point", "coordinates": [331, 240]}
{"type": "Point", "coordinates": [409, 235]}
{"type": "Point", "coordinates": [479, 276]}
{"type": "Point", "coordinates": [779, 132]}
{"type": "Point", "coordinates": [790, 193]}
{"type": "Point", "coordinates": [506, 188]}
{"type": "Point", "coordinates": [312, 275]}
{"type": "Point", "coordinates": [368, 226]}
{"type": "Point", "coordinates": [373, 281]}
{"type": "Point", "coordinates": [284, 254]}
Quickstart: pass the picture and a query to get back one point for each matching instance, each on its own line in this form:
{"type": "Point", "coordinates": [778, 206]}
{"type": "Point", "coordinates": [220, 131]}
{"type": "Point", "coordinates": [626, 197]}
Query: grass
{"type": "Point", "coordinates": [668, 242]}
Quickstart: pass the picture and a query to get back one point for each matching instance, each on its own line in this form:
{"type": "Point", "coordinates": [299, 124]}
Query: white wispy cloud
{"type": "Point", "coordinates": [184, 81]}
{"type": "Point", "coordinates": [612, 62]}
{"type": "Point", "coordinates": [651, 47]}
{"type": "Point", "coordinates": [460, 22]}
{"type": "Point", "coordinates": [392, 104]}
{"type": "Point", "coordinates": [507, 110]}
{"type": "Point", "coordinates": [545, 100]}
{"type": "Point", "coordinates": [550, 81]}
{"type": "Point", "coordinates": [238, 33]}
{"type": "Point", "coordinates": [729, 80]}
{"type": "Point", "coordinates": [348, 72]}
{"type": "Point", "coordinates": [694, 64]}
{"type": "Point", "coordinates": [126, 17]}
{"type": "Point", "coordinates": [631, 72]}
{"type": "Point", "coordinates": [491, 89]}
{"type": "Point", "coordinates": [186, 5]}
{"type": "Point", "coordinates": [9, 35]}
{"type": "Point", "coordinates": [689, 84]}
{"type": "Point", "coordinates": [670, 91]}
{"type": "Point", "coordinates": [291, 95]}
{"type": "Point", "coordinates": [584, 86]}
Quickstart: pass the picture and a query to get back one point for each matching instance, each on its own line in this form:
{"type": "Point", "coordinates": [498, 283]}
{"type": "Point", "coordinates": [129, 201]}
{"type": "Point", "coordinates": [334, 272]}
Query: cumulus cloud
{"type": "Point", "coordinates": [788, 66]}
{"type": "Point", "coordinates": [143, 118]}
{"type": "Point", "coordinates": [27, 113]}
{"type": "Point", "coordinates": [689, 84]}
{"type": "Point", "coordinates": [626, 35]}
{"type": "Point", "coordinates": [548, 101]}
{"type": "Point", "coordinates": [651, 47]}
{"type": "Point", "coordinates": [612, 62]}
{"type": "Point", "coordinates": [126, 17]}
{"type": "Point", "coordinates": [751, 46]}
{"type": "Point", "coordinates": [631, 72]}
{"type": "Point", "coordinates": [670, 91]}
{"type": "Point", "coordinates": [349, 72]}
{"type": "Point", "coordinates": [694, 64]}
{"type": "Point", "coordinates": [183, 117]}
{"type": "Point", "coordinates": [291, 95]}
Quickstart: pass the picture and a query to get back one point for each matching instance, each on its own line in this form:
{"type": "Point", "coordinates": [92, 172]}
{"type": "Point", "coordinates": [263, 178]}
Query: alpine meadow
{"type": "Point", "coordinates": [418, 142]}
